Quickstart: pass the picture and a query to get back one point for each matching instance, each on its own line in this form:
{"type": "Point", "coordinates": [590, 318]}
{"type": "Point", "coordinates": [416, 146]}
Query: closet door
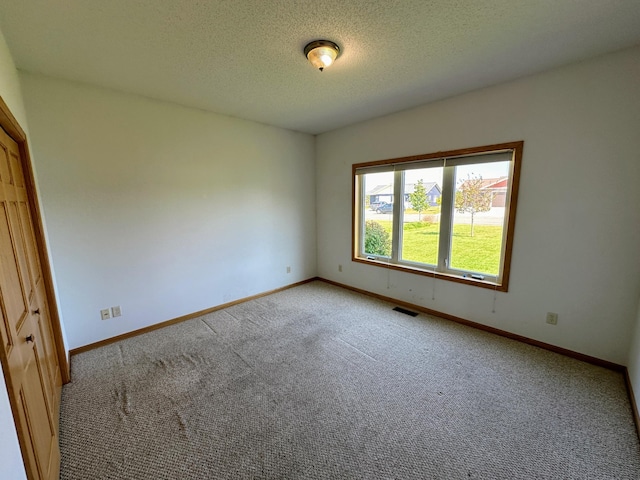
{"type": "Point", "coordinates": [34, 377]}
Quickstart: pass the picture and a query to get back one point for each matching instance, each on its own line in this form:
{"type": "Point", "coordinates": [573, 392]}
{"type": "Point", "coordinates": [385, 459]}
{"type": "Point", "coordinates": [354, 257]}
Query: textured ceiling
{"type": "Point", "coordinates": [244, 58]}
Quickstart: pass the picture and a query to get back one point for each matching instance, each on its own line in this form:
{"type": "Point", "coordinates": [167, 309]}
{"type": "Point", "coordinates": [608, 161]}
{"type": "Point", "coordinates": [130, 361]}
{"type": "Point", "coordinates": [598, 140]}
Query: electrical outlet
{"type": "Point", "coordinates": [339, 268]}
{"type": "Point", "coordinates": [105, 314]}
{"type": "Point", "coordinates": [552, 318]}
{"type": "Point", "coordinates": [116, 311]}
{"type": "Point", "coordinates": [288, 269]}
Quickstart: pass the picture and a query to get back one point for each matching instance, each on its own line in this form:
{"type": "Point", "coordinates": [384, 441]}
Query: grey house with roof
{"type": "Point", "coordinates": [384, 193]}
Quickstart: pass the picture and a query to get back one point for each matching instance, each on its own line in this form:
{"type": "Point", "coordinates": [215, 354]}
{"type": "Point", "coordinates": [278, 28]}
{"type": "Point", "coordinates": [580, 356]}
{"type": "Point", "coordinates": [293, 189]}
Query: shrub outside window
{"type": "Point", "coordinates": [450, 215]}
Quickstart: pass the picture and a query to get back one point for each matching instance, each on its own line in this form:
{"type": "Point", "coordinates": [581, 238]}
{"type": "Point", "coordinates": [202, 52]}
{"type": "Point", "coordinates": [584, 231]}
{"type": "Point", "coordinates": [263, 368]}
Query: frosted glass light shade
{"type": "Point", "coordinates": [321, 53]}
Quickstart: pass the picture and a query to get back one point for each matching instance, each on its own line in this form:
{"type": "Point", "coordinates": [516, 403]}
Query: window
{"type": "Point", "coordinates": [449, 215]}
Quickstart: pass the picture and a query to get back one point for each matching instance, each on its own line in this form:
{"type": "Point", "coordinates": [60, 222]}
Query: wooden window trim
{"type": "Point", "coordinates": [517, 148]}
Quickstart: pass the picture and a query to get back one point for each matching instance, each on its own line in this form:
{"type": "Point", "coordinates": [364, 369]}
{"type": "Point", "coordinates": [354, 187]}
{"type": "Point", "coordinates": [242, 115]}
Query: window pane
{"type": "Point", "coordinates": [479, 217]}
{"type": "Point", "coordinates": [421, 215]}
{"type": "Point", "coordinates": [378, 213]}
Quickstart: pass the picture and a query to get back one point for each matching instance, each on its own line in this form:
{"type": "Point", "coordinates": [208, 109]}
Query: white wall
{"type": "Point", "coordinates": [10, 456]}
{"type": "Point", "coordinates": [164, 210]}
{"type": "Point", "coordinates": [633, 364]}
{"type": "Point", "coordinates": [578, 225]}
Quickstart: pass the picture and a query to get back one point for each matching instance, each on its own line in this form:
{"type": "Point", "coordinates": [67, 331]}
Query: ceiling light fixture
{"type": "Point", "coordinates": [321, 53]}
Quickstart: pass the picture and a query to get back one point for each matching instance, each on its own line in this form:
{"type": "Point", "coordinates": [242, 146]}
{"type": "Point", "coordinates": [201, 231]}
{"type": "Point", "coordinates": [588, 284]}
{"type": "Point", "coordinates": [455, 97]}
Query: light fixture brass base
{"type": "Point", "coordinates": [320, 43]}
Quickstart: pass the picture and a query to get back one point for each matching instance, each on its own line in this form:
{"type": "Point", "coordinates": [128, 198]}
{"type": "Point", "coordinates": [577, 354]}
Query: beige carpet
{"type": "Point", "coordinates": [317, 382]}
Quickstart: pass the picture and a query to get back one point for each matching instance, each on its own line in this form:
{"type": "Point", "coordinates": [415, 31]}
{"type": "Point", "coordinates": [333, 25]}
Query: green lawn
{"type": "Point", "coordinates": [480, 253]}
{"type": "Point", "coordinates": [429, 211]}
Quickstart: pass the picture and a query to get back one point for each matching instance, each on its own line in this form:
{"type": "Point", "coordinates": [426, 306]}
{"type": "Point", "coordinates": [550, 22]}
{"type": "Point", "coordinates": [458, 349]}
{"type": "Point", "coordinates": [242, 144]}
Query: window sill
{"type": "Point", "coordinates": [429, 273]}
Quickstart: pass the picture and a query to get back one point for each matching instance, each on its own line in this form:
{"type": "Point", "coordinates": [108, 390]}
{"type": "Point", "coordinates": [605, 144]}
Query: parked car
{"type": "Point", "coordinates": [374, 206]}
{"type": "Point", "coordinates": [385, 208]}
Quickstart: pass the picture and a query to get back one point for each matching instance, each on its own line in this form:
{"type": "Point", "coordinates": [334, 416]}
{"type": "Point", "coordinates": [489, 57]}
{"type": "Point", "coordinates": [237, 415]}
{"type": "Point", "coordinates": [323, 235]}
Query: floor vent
{"type": "Point", "coordinates": [405, 311]}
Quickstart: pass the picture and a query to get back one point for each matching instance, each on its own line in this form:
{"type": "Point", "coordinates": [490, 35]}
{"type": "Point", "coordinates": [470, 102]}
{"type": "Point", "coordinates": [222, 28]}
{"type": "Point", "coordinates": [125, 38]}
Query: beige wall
{"type": "Point", "coordinates": [577, 231]}
{"type": "Point", "coordinates": [164, 210]}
